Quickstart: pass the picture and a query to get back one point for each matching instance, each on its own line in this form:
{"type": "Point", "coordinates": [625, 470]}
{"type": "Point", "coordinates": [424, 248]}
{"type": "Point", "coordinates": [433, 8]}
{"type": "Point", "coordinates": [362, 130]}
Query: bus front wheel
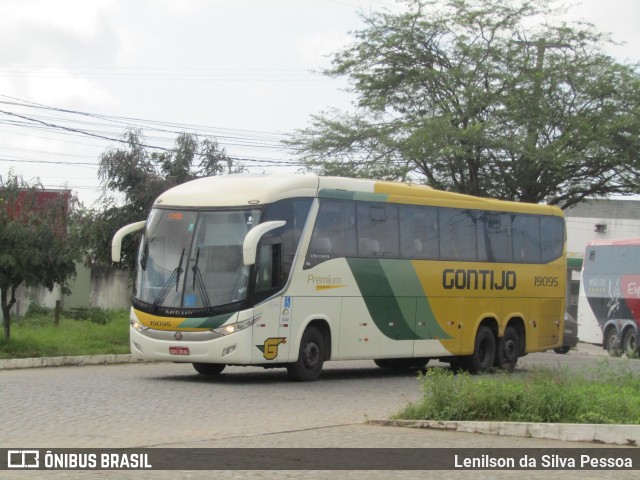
{"type": "Point", "coordinates": [310, 357]}
{"type": "Point", "coordinates": [209, 369]}
{"type": "Point", "coordinates": [484, 352]}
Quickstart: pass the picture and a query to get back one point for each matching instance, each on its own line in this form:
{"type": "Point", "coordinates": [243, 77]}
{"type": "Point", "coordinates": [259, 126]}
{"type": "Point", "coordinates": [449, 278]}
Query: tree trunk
{"type": "Point", "coordinates": [6, 309]}
{"type": "Point", "coordinates": [6, 317]}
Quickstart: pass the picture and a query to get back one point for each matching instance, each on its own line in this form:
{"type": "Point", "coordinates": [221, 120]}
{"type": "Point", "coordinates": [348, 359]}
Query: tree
{"type": "Point", "coordinates": [37, 249]}
{"type": "Point", "coordinates": [480, 97]}
{"type": "Point", "coordinates": [132, 178]}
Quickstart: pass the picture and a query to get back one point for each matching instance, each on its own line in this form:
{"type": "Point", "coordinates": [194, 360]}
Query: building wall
{"type": "Point", "coordinates": [620, 218]}
{"type": "Point", "coordinates": [107, 288]}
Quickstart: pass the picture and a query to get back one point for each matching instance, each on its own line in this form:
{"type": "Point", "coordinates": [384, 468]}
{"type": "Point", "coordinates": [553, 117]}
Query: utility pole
{"type": "Point", "coordinates": [535, 123]}
{"type": "Point", "coordinates": [538, 76]}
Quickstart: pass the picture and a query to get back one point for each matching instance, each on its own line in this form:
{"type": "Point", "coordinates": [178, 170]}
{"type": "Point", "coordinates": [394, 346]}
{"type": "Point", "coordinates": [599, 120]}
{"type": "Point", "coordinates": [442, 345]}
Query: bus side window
{"type": "Point", "coordinates": [419, 232]}
{"type": "Point", "coordinates": [458, 234]}
{"type": "Point", "coordinates": [526, 239]}
{"type": "Point", "coordinates": [552, 242]}
{"type": "Point", "coordinates": [268, 269]}
{"type": "Point", "coordinates": [497, 236]}
{"type": "Point", "coordinates": [334, 234]}
{"type": "Point", "coordinates": [377, 230]}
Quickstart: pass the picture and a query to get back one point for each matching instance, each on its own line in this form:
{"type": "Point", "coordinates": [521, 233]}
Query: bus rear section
{"type": "Point", "coordinates": [470, 281]}
{"type": "Point", "coordinates": [609, 302]}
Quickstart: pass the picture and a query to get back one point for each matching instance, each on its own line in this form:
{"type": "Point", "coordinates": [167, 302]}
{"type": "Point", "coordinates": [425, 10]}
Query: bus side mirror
{"type": "Point", "coordinates": [250, 244]}
{"type": "Point", "coordinates": [116, 243]}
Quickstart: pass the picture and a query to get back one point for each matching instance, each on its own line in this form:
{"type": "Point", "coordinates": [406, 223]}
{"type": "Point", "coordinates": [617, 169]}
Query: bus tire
{"type": "Point", "coordinates": [310, 357]}
{"type": "Point", "coordinates": [612, 342]}
{"type": "Point", "coordinates": [630, 343]}
{"type": "Point", "coordinates": [508, 350]}
{"type": "Point", "coordinates": [484, 352]}
{"type": "Point", "coordinates": [209, 369]}
{"type": "Point", "coordinates": [562, 350]}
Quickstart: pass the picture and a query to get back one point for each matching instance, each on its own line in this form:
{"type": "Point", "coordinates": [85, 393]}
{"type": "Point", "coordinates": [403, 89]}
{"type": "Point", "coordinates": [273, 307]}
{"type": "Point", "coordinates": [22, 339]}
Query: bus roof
{"type": "Point", "coordinates": [257, 189]}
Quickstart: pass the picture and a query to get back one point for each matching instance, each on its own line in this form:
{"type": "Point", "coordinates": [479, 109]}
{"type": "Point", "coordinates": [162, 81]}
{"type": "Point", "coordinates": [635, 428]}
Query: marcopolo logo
{"type": "Point", "coordinates": [23, 458]}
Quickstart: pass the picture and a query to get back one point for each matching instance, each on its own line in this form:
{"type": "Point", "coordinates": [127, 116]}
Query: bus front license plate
{"type": "Point", "coordinates": [179, 350]}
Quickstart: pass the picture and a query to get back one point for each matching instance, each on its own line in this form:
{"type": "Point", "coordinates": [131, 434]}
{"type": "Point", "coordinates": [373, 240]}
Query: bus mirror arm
{"type": "Point", "coordinates": [250, 244]}
{"type": "Point", "coordinates": [116, 243]}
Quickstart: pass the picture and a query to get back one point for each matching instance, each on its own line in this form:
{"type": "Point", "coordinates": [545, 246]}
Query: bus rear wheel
{"type": "Point", "coordinates": [209, 369]}
{"type": "Point", "coordinates": [630, 343]}
{"type": "Point", "coordinates": [484, 352]}
{"type": "Point", "coordinates": [310, 357]}
{"type": "Point", "coordinates": [508, 350]}
{"type": "Point", "coordinates": [612, 342]}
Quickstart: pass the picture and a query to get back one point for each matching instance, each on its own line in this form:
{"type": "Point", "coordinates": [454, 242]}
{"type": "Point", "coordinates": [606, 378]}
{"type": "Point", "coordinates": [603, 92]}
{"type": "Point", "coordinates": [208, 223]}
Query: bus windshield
{"type": "Point", "coordinates": [193, 259]}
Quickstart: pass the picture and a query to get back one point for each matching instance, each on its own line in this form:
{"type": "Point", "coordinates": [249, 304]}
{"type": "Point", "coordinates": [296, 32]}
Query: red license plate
{"type": "Point", "coordinates": [179, 350]}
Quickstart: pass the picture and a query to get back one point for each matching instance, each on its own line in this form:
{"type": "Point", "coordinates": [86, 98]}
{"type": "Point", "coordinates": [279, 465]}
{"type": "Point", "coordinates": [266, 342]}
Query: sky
{"type": "Point", "coordinates": [243, 71]}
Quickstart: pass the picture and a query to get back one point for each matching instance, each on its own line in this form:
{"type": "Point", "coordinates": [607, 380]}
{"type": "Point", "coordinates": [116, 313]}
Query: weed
{"type": "Point", "coordinates": [542, 395]}
{"type": "Point", "coordinates": [36, 335]}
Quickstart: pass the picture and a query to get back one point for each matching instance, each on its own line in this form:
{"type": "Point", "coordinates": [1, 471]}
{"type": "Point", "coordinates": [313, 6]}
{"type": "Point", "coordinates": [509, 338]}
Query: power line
{"type": "Point", "coordinates": [22, 117]}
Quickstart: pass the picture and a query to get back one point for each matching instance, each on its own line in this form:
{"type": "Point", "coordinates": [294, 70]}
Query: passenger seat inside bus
{"type": "Point", "coordinates": [321, 245]}
{"type": "Point", "coordinates": [369, 247]}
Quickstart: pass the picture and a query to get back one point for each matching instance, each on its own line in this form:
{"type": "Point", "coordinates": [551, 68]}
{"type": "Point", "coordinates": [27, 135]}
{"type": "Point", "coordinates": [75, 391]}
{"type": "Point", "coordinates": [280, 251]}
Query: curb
{"type": "Point", "coordinates": [628, 435]}
{"type": "Point", "coordinates": [16, 363]}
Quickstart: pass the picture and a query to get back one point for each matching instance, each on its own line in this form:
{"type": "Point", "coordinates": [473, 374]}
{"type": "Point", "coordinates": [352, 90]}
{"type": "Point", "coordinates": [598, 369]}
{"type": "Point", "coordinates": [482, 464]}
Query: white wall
{"type": "Point", "coordinates": [621, 217]}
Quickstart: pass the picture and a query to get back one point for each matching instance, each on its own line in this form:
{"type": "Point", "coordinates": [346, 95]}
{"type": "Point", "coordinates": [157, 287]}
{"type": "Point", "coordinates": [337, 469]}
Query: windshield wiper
{"type": "Point", "coordinates": [167, 286]}
{"type": "Point", "coordinates": [197, 279]}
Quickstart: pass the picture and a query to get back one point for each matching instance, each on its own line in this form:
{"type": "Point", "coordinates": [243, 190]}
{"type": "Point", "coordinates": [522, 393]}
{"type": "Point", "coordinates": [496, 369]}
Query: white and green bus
{"type": "Point", "coordinates": [295, 270]}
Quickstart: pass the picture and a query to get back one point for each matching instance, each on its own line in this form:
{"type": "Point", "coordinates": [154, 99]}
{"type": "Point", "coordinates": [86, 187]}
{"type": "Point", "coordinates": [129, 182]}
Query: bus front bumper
{"type": "Point", "coordinates": [230, 349]}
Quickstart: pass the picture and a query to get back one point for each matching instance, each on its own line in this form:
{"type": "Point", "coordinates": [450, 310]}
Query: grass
{"type": "Point", "coordinates": [543, 395]}
{"type": "Point", "coordinates": [88, 332]}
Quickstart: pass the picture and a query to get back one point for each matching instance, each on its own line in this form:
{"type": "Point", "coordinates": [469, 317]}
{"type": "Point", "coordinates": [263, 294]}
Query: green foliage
{"type": "Point", "coordinates": [37, 311]}
{"type": "Point", "coordinates": [479, 97]}
{"type": "Point", "coordinates": [547, 396]}
{"type": "Point", "coordinates": [37, 336]}
{"type": "Point", "coordinates": [93, 314]}
{"type": "Point", "coordinates": [38, 250]}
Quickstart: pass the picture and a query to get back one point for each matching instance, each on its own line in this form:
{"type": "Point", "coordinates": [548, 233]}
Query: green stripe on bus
{"type": "Point", "coordinates": [404, 282]}
{"type": "Point", "coordinates": [395, 299]}
{"type": "Point", "coordinates": [209, 322]}
{"type": "Point", "coordinates": [384, 308]}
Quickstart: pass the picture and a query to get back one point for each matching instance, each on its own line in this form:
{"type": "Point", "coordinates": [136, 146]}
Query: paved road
{"type": "Point", "coordinates": [169, 405]}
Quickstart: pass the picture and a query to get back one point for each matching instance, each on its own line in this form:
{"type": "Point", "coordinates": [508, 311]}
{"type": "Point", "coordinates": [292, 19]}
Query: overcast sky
{"type": "Point", "coordinates": [241, 70]}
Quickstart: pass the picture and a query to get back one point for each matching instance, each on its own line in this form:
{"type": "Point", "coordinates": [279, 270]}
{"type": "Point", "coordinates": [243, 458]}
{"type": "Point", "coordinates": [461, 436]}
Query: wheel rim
{"type": "Point", "coordinates": [630, 343]}
{"type": "Point", "coordinates": [510, 350]}
{"type": "Point", "coordinates": [311, 355]}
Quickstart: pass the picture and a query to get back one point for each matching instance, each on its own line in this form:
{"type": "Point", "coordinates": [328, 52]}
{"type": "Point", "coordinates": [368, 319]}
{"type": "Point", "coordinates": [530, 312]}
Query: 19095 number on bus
{"type": "Point", "coordinates": [543, 281]}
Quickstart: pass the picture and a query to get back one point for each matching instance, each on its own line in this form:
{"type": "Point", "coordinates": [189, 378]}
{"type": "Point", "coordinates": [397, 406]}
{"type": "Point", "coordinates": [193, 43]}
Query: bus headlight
{"type": "Point", "coordinates": [136, 325]}
{"type": "Point", "coordinates": [234, 327]}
